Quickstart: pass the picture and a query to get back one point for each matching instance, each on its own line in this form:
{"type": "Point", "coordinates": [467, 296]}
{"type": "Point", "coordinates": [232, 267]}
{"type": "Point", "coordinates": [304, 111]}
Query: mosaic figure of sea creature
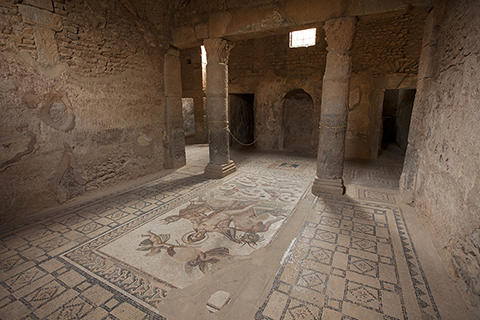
{"type": "Point", "coordinates": [251, 239]}
{"type": "Point", "coordinates": [227, 220]}
{"type": "Point", "coordinates": [192, 257]}
{"type": "Point", "coordinates": [155, 243]}
{"type": "Point", "coordinates": [204, 258]}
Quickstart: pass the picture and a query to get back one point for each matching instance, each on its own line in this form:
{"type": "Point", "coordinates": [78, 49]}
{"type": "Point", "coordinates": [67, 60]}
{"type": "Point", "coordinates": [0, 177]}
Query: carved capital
{"type": "Point", "coordinates": [339, 34]}
{"type": "Point", "coordinates": [218, 50]}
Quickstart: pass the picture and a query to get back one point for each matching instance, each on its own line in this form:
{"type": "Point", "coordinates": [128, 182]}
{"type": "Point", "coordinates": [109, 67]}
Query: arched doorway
{"type": "Point", "coordinates": [298, 122]}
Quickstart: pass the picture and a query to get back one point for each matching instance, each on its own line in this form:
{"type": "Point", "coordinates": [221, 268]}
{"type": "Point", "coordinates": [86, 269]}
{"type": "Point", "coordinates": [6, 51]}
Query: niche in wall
{"type": "Point", "coordinates": [298, 121]}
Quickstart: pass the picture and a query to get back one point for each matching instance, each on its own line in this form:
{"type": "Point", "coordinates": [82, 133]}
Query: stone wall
{"type": "Point", "coordinates": [389, 43]}
{"type": "Point", "coordinates": [385, 47]}
{"type": "Point", "coordinates": [268, 68]}
{"type": "Point", "coordinates": [256, 56]}
{"type": "Point", "coordinates": [81, 98]}
{"type": "Point", "coordinates": [441, 174]}
{"type": "Point", "coordinates": [385, 55]}
{"type": "Point", "coordinates": [191, 62]}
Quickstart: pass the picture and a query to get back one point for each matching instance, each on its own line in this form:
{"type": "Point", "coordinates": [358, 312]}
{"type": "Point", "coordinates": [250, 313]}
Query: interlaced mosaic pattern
{"type": "Point", "coordinates": [351, 260]}
{"type": "Point", "coordinates": [112, 257]}
{"type": "Point", "coordinates": [92, 259]}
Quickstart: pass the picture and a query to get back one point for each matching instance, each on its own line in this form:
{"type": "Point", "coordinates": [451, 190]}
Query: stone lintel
{"type": "Point", "coordinates": [328, 186]}
{"type": "Point", "coordinates": [218, 171]}
{"type": "Point", "coordinates": [247, 22]}
{"type": "Point", "coordinates": [42, 4]}
{"type": "Point", "coordinates": [41, 18]}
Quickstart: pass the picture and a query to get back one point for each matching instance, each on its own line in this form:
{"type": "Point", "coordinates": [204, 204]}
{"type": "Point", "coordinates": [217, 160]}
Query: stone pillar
{"type": "Point", "coordinates": [417, 131]}
{"type": "Point", "coordinates": [220, 164]}
{"type": "Point", "coordinates": [200, 123]}
{"type": "Point", "coordinates": [45, 23]}
{"type": "Point", "coordinates": [175, 137]}
{"type": "Point", "coordinates": [333, 117]}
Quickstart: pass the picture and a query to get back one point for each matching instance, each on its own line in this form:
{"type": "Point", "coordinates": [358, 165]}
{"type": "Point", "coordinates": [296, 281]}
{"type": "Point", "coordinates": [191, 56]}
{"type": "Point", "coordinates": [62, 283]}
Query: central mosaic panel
{"type": "Point", "coordinates": [172, 246]}
{"type": "Point", "coordinates": [234, 218]}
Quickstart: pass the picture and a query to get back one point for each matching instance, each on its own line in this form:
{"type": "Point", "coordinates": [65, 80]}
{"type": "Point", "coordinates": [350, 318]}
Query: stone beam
{"type": "Point", "coordinates": [254, 22]}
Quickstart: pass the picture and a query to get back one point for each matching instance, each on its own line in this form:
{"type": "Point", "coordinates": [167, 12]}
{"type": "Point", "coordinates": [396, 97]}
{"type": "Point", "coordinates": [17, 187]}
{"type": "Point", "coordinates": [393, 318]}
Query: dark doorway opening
{"type": "Point", "coordinates": [396, 115]}
{"type": "Point", "coordinates": [298, 125]}
{"type": "Point", "coordinates": [242, 119]}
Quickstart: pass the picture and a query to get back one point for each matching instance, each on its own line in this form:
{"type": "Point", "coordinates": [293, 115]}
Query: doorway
{"type": "Point", "coordinates": [396, 115]}
{"type": "Point", "coordinates": [242, 119]}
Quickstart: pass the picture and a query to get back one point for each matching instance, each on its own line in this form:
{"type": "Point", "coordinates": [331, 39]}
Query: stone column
{"type": "Point", "coordinates": [175, 137]}
{"type": "Point", "coordinates": [333, 117]}
{"type": "Point", "coordinates": [220, 164]}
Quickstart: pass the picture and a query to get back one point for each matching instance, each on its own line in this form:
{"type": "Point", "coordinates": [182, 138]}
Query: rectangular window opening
{"type": "Point", "coordinates": [204, 67]}
{"type": "Point", "coordinates": [303, 38]}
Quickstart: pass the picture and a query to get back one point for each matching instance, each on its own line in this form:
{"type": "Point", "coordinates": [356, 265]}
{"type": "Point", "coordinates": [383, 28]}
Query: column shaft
{"type": "Point", "coordinates": [217, 108]}
{"type": "Point", "coordinates": [334, 109]}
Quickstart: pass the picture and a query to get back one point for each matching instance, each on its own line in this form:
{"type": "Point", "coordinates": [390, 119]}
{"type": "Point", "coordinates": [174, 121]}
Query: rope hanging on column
{"type": "Point", "coordinates": [230, 132]}
{"type": "Point", "coordinates": [336, 128]}
{"type": "Point", "coordinates": [221, 121]}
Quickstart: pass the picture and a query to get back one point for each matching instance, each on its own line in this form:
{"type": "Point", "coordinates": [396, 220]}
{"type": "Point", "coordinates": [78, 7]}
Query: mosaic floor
{"type": "Point", "coordinates": [254, 245]}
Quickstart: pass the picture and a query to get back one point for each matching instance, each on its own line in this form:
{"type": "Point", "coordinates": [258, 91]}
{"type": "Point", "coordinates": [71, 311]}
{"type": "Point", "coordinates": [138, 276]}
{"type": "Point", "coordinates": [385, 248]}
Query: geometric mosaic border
{"type": "Point", "coordinates": [99, 199]}
{"type": "Point", "coordinates": [139, 286]}
{"type": "Point", "coordinates": [148, 291]}
{"type": "Point", "coordinates": [52, 265]}
{"type": "Point", "coordinates": [375, 196]}
{"type": "Point", "coordinates": [422, 289]}
{"type": "Point", "coordinates": [306, 292]}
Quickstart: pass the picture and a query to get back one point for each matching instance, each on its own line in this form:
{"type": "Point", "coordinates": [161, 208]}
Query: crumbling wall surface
{"type": "Point", "coordinates": [360, 119]}
{"type": "Point", "coordinates": [444, 146]}
{"type": "Point", "coordinates": [389, 43]}
{"type": "Point", "coordinates": [385, 54]}
{"type": "Point", "coordinates": [81, 99]}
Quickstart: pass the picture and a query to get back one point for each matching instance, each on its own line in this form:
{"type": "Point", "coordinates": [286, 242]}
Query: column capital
{"type": "Point", "coordinates": [218, 50]}
{"type": "Point", "coordinates": [173, 51]}
{"type": "Point", "coordinates": [339, 34]}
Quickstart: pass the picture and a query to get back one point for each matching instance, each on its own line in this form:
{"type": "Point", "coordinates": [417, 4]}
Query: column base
{"type": "Point", "coordinates": [218, 171]}
{"type": "Point", "coordinates": [328, 186]}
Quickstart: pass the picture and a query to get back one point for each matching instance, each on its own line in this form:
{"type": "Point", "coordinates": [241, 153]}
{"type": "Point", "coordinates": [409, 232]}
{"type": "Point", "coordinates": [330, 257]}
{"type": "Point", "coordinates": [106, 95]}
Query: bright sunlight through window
{"type": "Point", "coordinates": [303, 38]}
